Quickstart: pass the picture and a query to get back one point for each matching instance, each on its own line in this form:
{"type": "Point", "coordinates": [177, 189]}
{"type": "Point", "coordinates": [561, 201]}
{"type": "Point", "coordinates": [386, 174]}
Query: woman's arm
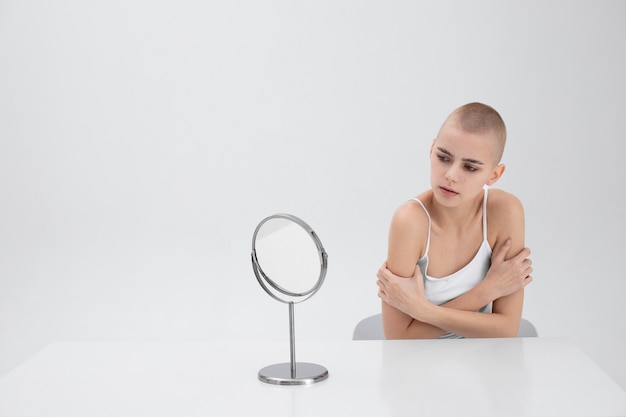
{"type": "Point", "coordinates": [407, 237]}
{"type": "Point", "coordinates": [504, 283]}
{"type": "Point", "coordinates": [503, 278]}
{"type": "Point", "coordinates": [506, 221]}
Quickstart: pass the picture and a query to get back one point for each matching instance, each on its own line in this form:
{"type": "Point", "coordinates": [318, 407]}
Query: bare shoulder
{"type": "Point", "coordinates": [411, 215]}
{"type": "Point", "coordinates": [505, 215]}
{"type": "Point", "coordinates": [407, 237]}
{"type": "Point", "coordinates": [501, 202]}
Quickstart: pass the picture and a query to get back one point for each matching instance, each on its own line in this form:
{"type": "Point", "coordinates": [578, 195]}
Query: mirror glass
{"type": "Point", "coordinates": [288, 255]}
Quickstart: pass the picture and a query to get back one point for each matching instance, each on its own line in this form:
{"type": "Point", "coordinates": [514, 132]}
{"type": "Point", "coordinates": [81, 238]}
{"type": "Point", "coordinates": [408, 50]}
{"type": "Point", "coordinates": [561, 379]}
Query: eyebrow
{"type": "Point", "coordinates": [451, 155]}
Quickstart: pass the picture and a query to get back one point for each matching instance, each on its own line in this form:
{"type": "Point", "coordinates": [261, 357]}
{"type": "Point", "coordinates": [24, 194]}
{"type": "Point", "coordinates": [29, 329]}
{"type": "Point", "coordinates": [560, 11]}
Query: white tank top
{"type": "Point", "coordinates": [441, 290]}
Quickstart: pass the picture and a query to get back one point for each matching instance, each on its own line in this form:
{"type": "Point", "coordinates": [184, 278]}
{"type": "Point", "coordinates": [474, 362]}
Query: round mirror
{"type": "Point", "coordinates": [288, 258]}
{"type": "Point", "coordinates": [290, 264]}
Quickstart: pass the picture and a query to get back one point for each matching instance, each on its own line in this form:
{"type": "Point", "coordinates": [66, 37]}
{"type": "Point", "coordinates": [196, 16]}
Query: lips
{"type": "Point", "coordinates": [448, 191]}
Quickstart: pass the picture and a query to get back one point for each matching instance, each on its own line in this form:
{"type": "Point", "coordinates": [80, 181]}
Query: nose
{"type": "Point", "coordinates": [452, 173]}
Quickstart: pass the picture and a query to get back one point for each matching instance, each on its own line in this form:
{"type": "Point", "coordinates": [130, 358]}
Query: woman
{"type": "Point", "coordinates": [450, 249]}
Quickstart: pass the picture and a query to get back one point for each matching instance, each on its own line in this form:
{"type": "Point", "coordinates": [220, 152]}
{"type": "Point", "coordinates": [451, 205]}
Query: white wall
{"type": "Point", "coordinates": [141, 142]}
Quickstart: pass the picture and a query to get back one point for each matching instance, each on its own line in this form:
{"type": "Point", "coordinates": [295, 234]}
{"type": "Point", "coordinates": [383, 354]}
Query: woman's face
{"type": "Point", "coordinates": [460, 164]}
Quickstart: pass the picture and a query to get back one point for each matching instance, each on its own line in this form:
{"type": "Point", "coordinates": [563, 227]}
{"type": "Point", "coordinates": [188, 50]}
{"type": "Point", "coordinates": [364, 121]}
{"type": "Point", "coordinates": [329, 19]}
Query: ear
{"type": "Point", "coordinates": [496, 174]}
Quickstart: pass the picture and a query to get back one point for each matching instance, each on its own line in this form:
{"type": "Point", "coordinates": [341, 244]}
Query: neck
{"type": "Point", "coordinates": [459, 217]}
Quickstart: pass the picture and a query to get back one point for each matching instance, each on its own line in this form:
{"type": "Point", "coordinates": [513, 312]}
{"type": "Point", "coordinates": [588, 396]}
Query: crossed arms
{"type": "Point", "coordinates": [408, 314]}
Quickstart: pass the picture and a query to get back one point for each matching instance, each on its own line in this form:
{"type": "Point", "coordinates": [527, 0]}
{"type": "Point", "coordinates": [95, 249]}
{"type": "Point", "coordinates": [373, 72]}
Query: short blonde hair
{"type": "Point", "coordinates": [480, 118]}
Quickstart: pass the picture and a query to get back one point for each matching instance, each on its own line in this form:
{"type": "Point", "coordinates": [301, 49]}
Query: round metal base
{"type": "Point", "coordinates": [280, 374]}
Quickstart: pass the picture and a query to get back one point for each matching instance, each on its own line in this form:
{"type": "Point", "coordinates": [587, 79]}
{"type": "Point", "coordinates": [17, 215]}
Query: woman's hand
{"type": "Point", "coordinates": [506, 277]}
{"type": "Point", "coordinates": [405, 294]}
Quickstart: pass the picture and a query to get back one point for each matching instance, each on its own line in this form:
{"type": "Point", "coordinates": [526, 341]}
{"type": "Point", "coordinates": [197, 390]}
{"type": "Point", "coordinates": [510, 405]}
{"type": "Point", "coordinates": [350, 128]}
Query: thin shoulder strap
{"type": "Point", "coordinates": [427, 214]}
{"type": "Point", "coordinates": [485, 213]}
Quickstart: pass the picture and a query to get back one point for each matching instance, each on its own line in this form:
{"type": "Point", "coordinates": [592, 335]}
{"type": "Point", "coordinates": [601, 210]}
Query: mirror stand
{"type": "Point", "coordinates": [292, 372]}
{"type": "Point", "coordinates": [290, 264]}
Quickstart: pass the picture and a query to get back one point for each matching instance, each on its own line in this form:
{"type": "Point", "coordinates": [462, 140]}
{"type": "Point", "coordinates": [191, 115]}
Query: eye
{"type": "Point", "coordinates": [471, 168]}
{"type": "Point", "coordinates": [443, 158]}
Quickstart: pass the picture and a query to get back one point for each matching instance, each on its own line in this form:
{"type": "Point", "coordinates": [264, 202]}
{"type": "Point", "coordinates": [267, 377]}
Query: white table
{"type": "Point", "coordinates": [472, 377]}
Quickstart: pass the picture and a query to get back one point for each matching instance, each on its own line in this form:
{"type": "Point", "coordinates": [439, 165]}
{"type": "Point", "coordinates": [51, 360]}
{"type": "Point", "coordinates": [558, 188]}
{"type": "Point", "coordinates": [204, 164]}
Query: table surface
{"type": "Point", "coordinates": [469, 377]}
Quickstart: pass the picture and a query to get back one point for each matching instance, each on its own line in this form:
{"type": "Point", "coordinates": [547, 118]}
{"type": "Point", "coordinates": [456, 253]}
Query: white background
{"type": "Point", "coordinates": [142, 141]}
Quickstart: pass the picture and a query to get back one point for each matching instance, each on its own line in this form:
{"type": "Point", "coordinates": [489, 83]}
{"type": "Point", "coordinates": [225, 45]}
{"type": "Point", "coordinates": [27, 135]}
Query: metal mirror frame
{"type": "Point", "coordinates": [267, 283]}
{"type": "Point", "coordinates": [292, 372]}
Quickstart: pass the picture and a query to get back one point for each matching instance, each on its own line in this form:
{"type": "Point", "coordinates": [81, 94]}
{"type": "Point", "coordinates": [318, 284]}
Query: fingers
{"type": "Point", "coordinates": [500, 252]}
{"type": "Point", "coordinates": [527, 281]}
{"type": "Point", "coordinates": [380, 274]}
{"type": "Point", "coordinates": [381, 290]}
{"type": "Point", "coordinates": [524, 253]}
{"type": "Point", "coordinates": [525, 268]}
{"type": "Point", "coordinates": [528, 263]}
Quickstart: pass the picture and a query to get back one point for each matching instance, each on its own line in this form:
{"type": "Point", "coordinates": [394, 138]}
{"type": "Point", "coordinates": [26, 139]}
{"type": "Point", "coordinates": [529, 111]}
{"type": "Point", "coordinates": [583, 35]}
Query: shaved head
{"type": "Point", "coordinates": [480, 118]}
